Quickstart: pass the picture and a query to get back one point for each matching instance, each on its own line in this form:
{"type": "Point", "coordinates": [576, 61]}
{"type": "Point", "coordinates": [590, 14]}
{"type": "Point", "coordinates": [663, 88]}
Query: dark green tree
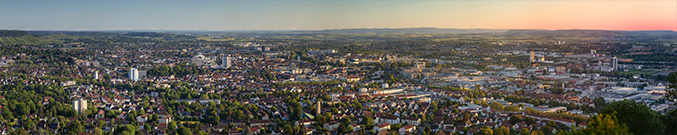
{"type": "Point", "coordinates": [75, 127]}
{"type": "Point", "coordinates": [357, 105]}
{"type": "Point", "coordinates": [6, 113]}
{"type": "Point", "coordinates": [171, 126]}
{"type": "Point", "coordinates": [670, 122]}
{"type": "Point", "coordinates": [603, 124]}
{"type": "Point", "coordinates": [639, 118]}
{"type": "Point", "coordinates": [343, 127]}
{"type": "Point", "coordinates": [672, 87]}
{"type": "Point", "coordinates": [496, 105]}
{"type": "Point", "coordinates": [185, 131]}
{"type": "Point", "coordinates": [599, 102]}
{"type": "Point", "coordinates": [368, 122]}
{"type": "Point", "coordinates": [486, 131]}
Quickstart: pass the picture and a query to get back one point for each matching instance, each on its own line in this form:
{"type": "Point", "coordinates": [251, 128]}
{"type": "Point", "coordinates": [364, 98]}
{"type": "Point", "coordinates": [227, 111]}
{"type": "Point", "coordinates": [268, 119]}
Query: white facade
{"type": "Point", "coordinates": [96, 75]}
{"type": "Point", "coordinates": [385, 86]}
{"type": "Point", "coordinates": [388, 91]}
{"type": "Point", "coordinates": [226, 62]}
{"type": "Point", "coordinates": [133, 74]}
{"type": "Point", "coordinates": [68, 83]}
{"type": "Point", "coordinates": [80, 105]}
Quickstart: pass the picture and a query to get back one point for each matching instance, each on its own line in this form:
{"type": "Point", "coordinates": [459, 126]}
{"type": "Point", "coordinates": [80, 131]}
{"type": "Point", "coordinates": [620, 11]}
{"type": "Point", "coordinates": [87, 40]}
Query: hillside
{"type": "Point", "coordinates": [11, 37]}
{"type": "Point", "coordinates": [74, 33]}
{"type": "Point", "coordinates": [413, 31]}
{"type": "Point", "coordinates": [28, 40]}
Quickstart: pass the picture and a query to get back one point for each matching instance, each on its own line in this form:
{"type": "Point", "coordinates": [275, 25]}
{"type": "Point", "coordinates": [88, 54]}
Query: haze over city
{"type": "Point", "coordinates": [325, 14]}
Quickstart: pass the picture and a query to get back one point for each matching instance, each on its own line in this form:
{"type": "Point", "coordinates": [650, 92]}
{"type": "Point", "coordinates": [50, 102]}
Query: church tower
{"type": "Point", "coordinates": [318, 108]}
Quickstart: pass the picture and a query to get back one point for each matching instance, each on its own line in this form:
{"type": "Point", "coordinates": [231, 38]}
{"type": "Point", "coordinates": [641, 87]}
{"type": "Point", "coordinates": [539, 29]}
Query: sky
{"type": "Point", "coordinates": [217, 15]}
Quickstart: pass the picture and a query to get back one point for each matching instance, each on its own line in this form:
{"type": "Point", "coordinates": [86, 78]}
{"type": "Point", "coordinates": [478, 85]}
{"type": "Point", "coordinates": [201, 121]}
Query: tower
{"type": "Point", "coordinates": [226, 62]}
{"type": "Point", "coordinates": [80, 105]}
{"type": "Point", "coordinates": [318, 108]}
{"type": "Point", "coordinates": [133, 74]}
{"type": "Point", "coordinates": [614, 64]}
{"type": "Point", "coordinates": [531, 57]}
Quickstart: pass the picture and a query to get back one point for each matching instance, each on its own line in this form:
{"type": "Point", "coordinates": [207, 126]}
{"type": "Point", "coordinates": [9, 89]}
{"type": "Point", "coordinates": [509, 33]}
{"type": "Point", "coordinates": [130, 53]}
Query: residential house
{"type": "Point", "coordinates": [407, 129]}
{"type": "Point", "coordinates": [166, 119]}
{"type": "Point", "coordinates": [332, 125]}
{"type": "Point", "coordinates": [381, 127]}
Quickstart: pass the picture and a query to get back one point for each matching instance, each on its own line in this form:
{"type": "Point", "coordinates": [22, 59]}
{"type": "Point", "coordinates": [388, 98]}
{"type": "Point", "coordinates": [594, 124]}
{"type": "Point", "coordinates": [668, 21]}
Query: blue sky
{"type": "Point", "coordinates": [326, 14]}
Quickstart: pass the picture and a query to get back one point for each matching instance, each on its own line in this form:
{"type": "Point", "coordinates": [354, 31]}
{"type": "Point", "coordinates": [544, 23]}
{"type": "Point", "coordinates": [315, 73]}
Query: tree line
{"type": "Point", "coordinates": [12, 33]}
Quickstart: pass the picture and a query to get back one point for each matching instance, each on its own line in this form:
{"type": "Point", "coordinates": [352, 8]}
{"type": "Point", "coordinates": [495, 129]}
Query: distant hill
{"type": "Point", "coordinates": [10, 37]}
{"type": "Point", "coordinates": [74, 33]}
{"type": "Point", "coordinates": [12, 33]}
{"type": "Point", "coordinates": [146, 34]}
{"type": "Point", "coordinates": [566, 33]}
{"type": "Point", "coordinates": [28, 40]}
{"type": "Point", "coordinates": [409, 31]}
{"type": "Point", "coordinates": [655, 31]}
{"type": "Point", "coordinates": [380, 31]}
{"type": "Point", "coordinates": [348, 31]}
{"type": "Point", "coordinates": [661, 32]}
{"type": "Point", "coordinates": [158, 35]}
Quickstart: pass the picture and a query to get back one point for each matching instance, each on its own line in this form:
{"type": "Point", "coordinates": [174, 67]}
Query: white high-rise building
{"type": "Point", "coordinates": [226, 62]}
{"type": "Point", "coordinates": [80, 105]}
{"type": "Point", "coordinates": [133, 74]}
{"type": "Point", "coordinates": [96, 75]}
{"type": "Point", "coordinates": [531, 57]}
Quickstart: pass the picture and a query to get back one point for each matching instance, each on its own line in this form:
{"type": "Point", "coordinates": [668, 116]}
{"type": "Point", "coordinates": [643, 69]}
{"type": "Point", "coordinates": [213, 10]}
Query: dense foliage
{"type": "Point", "coordinates": [672, 87]}
{"type": "Point", "coordinates": [640, 118]}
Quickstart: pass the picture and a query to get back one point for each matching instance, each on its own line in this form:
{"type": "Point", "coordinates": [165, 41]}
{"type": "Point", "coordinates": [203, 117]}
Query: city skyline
{"type": "Point", "coordinates": [319, 15]}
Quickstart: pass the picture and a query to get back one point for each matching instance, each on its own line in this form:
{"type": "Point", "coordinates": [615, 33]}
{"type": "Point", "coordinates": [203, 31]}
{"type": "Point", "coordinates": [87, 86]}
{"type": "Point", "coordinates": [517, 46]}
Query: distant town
{"type": "Point", "coordinates": [355, 81]}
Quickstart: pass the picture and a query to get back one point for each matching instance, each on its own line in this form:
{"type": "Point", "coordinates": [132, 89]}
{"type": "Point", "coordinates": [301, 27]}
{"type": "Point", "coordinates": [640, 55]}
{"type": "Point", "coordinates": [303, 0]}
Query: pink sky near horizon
{"type": "Point", "coordinates": [614, 15]}
{"type": "Point", "coordinates": [554, 15]}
